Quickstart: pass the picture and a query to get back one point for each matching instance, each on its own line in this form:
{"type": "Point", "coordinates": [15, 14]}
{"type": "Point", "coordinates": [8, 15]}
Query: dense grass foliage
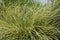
{"type": "Point", "coordinates": [29, 22]}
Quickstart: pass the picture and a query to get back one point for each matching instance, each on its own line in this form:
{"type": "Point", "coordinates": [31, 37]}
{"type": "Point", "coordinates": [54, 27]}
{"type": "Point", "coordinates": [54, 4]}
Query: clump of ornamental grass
{"type": "Point", "coordinates": [27, 23]}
